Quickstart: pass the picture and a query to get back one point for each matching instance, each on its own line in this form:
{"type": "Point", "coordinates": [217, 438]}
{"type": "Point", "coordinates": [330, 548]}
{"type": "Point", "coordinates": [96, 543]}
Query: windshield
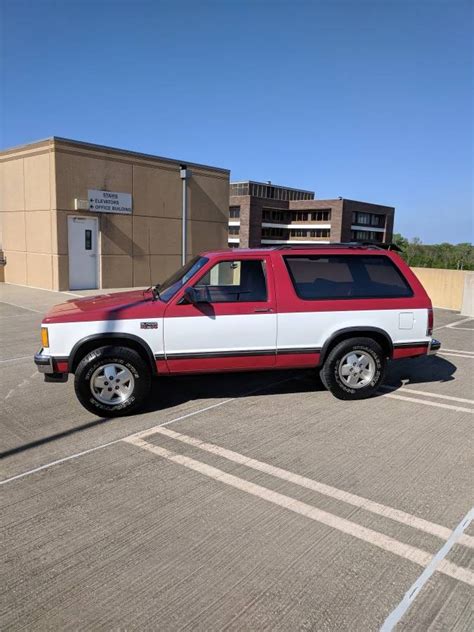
{"type": "Point", "coordinates": [176, 281]}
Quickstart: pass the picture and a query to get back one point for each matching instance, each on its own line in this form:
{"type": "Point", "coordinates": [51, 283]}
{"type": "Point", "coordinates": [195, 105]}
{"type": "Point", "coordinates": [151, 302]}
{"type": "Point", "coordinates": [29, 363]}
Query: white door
{"type": "Point", "coordinates": [83, 253]}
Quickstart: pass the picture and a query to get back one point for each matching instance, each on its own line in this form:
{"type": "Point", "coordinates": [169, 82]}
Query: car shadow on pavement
{"type": "Point", "coordinates": [420, 370]}
{"type": "Point", "coordinates": [170, 392]}
{"type": "Point", "coordinates": [55, 437]}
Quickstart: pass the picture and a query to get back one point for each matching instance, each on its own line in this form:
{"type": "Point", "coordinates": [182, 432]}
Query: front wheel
{"type": "Point", "coordinates": [354, 369]}
{"type": "Point", "coordinates": [112, 381]}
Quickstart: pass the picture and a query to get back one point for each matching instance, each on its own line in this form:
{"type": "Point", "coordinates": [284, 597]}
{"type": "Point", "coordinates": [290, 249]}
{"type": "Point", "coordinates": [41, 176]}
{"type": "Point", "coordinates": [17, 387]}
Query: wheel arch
{"type": "Point", "coordinates": [89, 343]}
{"type": "Point", "coordinates": [377, 334]}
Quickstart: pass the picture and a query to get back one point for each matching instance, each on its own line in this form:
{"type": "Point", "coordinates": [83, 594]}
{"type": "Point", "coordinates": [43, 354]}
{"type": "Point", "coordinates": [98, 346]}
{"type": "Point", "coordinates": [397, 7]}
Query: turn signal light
{"type": "Point", "coordinates": [44, 337]}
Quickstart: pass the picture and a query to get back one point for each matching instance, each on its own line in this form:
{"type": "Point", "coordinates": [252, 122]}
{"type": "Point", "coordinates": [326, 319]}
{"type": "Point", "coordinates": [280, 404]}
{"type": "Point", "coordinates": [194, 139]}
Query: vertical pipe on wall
{"type": "Point", "coordinates": [185, 174]}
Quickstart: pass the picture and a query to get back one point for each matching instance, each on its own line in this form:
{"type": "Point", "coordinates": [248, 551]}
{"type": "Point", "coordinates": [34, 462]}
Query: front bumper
{"type": "Point", "coordinates": [45, 365]}
{"type": "Point", "coordinates": [434, 346]}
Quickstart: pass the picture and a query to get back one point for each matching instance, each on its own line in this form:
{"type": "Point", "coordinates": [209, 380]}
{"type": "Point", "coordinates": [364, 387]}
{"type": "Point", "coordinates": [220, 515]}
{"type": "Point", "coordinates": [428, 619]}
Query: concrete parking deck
{"type": "Point", "coordinates": [240, 502]}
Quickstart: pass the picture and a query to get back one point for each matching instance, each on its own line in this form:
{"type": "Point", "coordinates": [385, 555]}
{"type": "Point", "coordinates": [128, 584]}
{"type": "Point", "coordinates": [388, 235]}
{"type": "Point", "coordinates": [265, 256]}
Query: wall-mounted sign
{"type": "Point", "coordinates": [109, 201]}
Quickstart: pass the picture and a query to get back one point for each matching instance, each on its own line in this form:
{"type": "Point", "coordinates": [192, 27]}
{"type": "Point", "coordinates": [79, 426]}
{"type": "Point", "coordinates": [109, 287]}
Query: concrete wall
{"type": "Point", "coordinates": [27, 195]}
{"type": "Point", "coordinates": [40, 183]}
{"type": "Point", "coordinates": [467, 308]}
{"type": "Point", "coordinates": [445, 287]}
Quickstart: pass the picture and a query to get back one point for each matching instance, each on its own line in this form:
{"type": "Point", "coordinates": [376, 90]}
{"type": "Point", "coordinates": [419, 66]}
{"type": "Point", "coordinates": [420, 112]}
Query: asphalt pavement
{"type": "Point", "coordinates": [245, 501]}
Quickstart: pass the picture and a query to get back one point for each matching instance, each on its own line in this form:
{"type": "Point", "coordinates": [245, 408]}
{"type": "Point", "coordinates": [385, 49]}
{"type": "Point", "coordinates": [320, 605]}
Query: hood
{"type": "Point", "coordinates": [133, 304]}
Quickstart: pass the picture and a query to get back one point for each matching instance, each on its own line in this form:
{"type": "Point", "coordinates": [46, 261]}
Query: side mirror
{"type": "Point", "coordinates": [196, 295]}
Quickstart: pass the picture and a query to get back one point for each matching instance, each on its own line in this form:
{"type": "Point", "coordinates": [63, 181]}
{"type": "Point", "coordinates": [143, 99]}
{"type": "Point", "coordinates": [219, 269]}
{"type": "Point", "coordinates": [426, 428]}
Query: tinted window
{"type": "Point", "coordinates": [235, 281]}
{"type": "Point", "coordinates": [344, 276]}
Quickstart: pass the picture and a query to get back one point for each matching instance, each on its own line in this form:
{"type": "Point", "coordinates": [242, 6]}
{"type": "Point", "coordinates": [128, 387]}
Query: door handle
{"type": "Point", "coordinates": [261, 310]}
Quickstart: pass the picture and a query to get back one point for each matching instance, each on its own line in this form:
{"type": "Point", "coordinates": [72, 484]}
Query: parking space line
{"type": "Point", "coordinates": [458, 322]}
{"type": "Point", "coordinates": [396, 615]}
{"type": "Point", "coordinates": [427, 393]}
{"type": "Point", "coordinates": [380, 540]}
{"type": "Point", "coordinates": [451, 325]}
{"type": "Point", "coordinates": [308, 483]}
{"type": "Point", "coordinates": [456, 355]}
{"type": "Point", "coordinates": [459, 351]}
{"type": "Point", "coordinates": [28, 357]}
{"type": "Point", "coordinates": [165, 423]}
{"type": "Point", "coordinates": [426, 402]}
{"type": "Point", "coordinates": [103, 445]}
{"type": "Point", "coordinates": [29, 309]}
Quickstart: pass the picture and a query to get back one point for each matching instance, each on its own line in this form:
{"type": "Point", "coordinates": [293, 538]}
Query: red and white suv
{"type": "Point", "coordinates": [344, 308]}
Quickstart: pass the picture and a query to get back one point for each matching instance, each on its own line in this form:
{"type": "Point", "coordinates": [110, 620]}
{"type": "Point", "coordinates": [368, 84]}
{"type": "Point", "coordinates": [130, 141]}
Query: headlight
{"type": "Point", "coordinates": [44, 337]}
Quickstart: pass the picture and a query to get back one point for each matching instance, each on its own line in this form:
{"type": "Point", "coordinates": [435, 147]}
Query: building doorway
{"type": "Point", "coordinates": [83, 234]}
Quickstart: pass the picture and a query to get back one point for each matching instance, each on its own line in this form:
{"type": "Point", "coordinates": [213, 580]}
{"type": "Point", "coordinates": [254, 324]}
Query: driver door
{"type": "Point", "coordinates": [235, 326]}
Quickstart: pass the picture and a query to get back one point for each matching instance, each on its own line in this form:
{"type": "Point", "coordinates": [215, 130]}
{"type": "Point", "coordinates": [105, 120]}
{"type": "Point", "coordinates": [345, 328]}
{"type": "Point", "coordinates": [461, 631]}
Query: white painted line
{"type": "Point", "coordinates": [52, 463]}
{"type": "Point", "coordinates": [136, 434]}
{"type": "Point", "coordinates": [28, 357]}
{"type": "Point", "coordinates": [353, 529]}
{"type": "Point", "coordinates": [428, 394]}
{"type": "Point", "coordinates": [416, 400]}
{"type": "Point", "coordinates": [396, 615]}
{"type": "Point", "coordinates": [29, 309]}
{"type": "Point", "coordinates": [451, 325]}
{"type": "Point", "coordinates": [43, 289]}
{"type": "Point", "coordinates": [458, 322]}
{"type": "Point", "coordinates": [455, 355]}
{"type": "Point", "coordinates": [459, 350]}
{"type": "Point", "coordinates": [105, 445]}
{"type": "Point", "coordinates": [308, 483]}
{"type": "Point", "coordinates": [463, 328]}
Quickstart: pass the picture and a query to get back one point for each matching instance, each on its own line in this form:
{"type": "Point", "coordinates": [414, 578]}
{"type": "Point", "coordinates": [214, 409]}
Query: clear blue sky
{"type": "Point", "coordinates": [370, 100]}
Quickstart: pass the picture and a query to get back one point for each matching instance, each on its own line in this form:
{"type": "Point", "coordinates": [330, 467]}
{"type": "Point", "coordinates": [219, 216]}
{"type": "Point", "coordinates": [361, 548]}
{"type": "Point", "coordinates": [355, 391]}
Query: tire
{"type": "Point", "coordinates": [348, 381]}
{"type": "Point", "coordinates": [112, 381]}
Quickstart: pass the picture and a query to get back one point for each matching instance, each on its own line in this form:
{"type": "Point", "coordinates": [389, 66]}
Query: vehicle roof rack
{"type": "Point", "coordinates": [349, 244]}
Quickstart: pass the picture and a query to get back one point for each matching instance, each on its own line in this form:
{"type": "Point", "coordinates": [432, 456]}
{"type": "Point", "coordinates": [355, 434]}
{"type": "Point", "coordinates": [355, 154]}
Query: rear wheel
{"type": "Point", "coordinates": [112, 381]}
{"type": "Point", "coordinates": [354, 368]}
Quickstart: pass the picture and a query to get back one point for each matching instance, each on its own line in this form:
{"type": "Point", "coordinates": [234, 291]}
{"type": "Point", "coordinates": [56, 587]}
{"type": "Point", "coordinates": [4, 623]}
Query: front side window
{"type": "Point", "coordinates": [176, 281]}
{"type": "Point", "coordinates": [235, 281]}
{"type": "Point", "coordinates": [318, 277]}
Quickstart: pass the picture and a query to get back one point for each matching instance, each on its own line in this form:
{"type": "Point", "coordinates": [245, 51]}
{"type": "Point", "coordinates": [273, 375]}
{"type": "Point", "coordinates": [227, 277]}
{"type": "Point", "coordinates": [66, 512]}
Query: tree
{"type": "Point", "coordinates": [444, 255]}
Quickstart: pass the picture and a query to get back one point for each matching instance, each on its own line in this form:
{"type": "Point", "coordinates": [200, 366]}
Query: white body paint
{"type": "Point", "coordinates": [201, 334]}
{"type": "Point", "coordinates": [63, 336]}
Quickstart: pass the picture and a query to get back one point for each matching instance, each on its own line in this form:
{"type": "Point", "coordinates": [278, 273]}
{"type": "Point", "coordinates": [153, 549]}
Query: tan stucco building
{"type": "Point", "coordinates": [51, 233]}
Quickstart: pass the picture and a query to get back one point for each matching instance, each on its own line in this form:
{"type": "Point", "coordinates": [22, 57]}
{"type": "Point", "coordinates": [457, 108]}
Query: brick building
{"type": "Point", "coordinates": [266, 214]}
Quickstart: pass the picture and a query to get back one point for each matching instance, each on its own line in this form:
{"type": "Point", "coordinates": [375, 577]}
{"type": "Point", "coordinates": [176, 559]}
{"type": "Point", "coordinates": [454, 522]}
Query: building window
{"type": "Point", "coordinates": [239, 188]}
{"type": "Point", "coordinates": [321, 216]}
{"type": "Point", "coordinates": [301, 216]}
{"type": "Point", "coordinates": [234, 230]}
{"type": "Point", "coordinates": [234, 212]}
{"type": "Point", "coordinates": [366, 235]}
{"type": "Point", "coordinates": [273, 232]}
{"type": "Point", "coordinates": [269, 191]}
{"type": "Point", "coordinates": [320, 232]}
{"type": "Point", "coordinates": [368, 219]}
{"type": "Point", "coordinates": [275, 215]}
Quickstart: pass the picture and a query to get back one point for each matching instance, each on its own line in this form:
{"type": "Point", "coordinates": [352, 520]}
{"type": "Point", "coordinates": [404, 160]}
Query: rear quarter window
{"type": "Point", "coordinates": [318, 277]}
